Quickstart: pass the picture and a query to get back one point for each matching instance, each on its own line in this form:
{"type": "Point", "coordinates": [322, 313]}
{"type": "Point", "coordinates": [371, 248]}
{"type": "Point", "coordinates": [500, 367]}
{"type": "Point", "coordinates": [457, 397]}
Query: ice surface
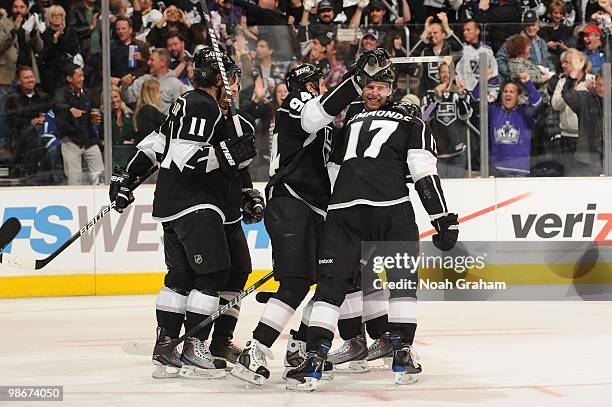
{"type": "Point", "coordinates": [473, 354]}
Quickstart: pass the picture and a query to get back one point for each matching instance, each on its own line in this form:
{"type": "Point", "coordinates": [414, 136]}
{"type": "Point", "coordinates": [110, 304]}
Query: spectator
{"type": "Point", "coordinates": [433, 7]}
{"type": "Point", "coordinates": [83, 18]}
{"type": "Point", "coordinates": [171, 86]}
{"type": "Point", "coordinates": [173, 20]}
{"type": "Point", "coordinates": [61, 44]}
{"type": "Point", "coordinates": [518, 51]}
{"type": "Point", "coordinates": [538, 54]}
{"type": "Point", "coordinates": [179, 57]}
{"type": "Point", "coordinates": [336, 54]}
{"type": "Point", "coordinates": [510, 127]}
{"type": "Point", "coordinates": [570, 15]}
{"type": "Point", "coordinates": [468, 67]}
{"type": "Point", "coordinates": [376, 11]}
{"type": "Point", "coordinates": [449, 124]}
{"type": "Point", "coordinates": [557, 34]}
{"type": "Point", "coordinates": [27, 32]}
{"type": "Point", "coordinates": [9, 50]}
{"type": "Point", "coordinates": [272, 73]}
{"type": "Point", "coordinates": [147, 116]}
{"type": "Point", "coordinates": [317, 21]}
{"type": "Point", "coordinates": [73, 106]}
{"type": "Point", "coordinates": [122, 129]}
{"type": "Point", "coordinates": [500, 21]}
{"type": "Point", "coordinates": [591, 36]}
{"type": "Point", "coordinates": [437, 39]}
{"type": "Point", "coordinates": [265, 12]}
{"type": "Point", "coordinates": [120, 52]}
{"type": "Point", "coordinates": [150, 16]}
{"type": "Point", "coordinates": [230, 15]}
{"type": "Point", "coordinates": [370, 40]}
{"type": "Point", "coordinates": [25, 107]}
{"type": "Point", "coordinates": [118, 8]}
{"type": "Point", "coordinates": [587, 104]}
{"type": "Point", "coordinates": [568, 120]}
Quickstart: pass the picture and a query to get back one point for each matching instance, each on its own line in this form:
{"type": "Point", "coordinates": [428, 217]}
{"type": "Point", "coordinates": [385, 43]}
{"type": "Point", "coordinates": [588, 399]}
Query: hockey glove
{"type": "Point", "coordinates": [448, 232]}
{"type": "Point", "coordinates": [236, 152]}
{"type": "Point", "coordinates": [369, 64]}
{"type": "Point", "coordinates": [121, 189]}
{"type": "Point", "coordinates": [252, 206]}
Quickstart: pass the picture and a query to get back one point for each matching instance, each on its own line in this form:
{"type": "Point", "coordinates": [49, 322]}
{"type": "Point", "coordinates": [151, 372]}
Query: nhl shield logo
{"type": "Point", "coordinates": [198, 259]}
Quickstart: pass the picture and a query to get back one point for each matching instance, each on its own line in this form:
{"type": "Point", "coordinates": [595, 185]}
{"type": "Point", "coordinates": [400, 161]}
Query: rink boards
{"type": "Point", "coordinates": [124, 253]}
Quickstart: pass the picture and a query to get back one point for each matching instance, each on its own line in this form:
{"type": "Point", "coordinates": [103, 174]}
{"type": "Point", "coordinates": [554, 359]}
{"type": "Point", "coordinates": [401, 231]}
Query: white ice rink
{"type": "Point", "coordinates": [474, 354]}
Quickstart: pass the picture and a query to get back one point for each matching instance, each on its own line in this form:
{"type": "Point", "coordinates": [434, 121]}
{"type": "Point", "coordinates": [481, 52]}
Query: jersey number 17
{"type": "Point", "coordinates": [385, 129]}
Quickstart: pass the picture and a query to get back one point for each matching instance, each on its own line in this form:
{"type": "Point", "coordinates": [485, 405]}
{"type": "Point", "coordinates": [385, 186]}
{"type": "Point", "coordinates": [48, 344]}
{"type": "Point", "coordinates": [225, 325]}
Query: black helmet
{"type": "Point", "coordinates": [206, 66]}
{"type": "Point", "coordinates": [300, 75]}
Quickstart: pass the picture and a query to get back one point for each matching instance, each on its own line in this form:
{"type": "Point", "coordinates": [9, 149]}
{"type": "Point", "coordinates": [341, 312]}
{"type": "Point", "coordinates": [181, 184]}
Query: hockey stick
{"type": "Point", "coordinates": [8, 231]}
{"type": "Point", "coordinates": [29, 263]}
{"type": "Point", "coordinates": [447, 59]}
{"type": "Point", "coordinates": [215, 46]}
{"type": "Point", "coordinates": [164, 349]}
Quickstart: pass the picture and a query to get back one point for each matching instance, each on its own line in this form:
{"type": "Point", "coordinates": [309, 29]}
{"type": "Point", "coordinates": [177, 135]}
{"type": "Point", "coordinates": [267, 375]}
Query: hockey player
{"type": "Point", "coordinates": [196, 199]}
{"type": "Point", "coordinates": [381, 148]}
{"type": "Point", "coordinates": [298, 193]}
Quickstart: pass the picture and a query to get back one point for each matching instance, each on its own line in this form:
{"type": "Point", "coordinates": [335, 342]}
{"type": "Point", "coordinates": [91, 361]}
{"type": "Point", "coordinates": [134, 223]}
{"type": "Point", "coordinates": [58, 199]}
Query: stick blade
{"type": "Point", "coordinates": [8, 231]}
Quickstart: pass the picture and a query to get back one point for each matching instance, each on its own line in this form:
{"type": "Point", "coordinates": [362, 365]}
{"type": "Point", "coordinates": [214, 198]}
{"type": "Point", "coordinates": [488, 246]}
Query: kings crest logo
{"type": "Point", "coordinates": [507, 134]}
{"type": "Point", "coordinates": [197, 259]}
{"type": "Point", "coordinates": [446, 113]}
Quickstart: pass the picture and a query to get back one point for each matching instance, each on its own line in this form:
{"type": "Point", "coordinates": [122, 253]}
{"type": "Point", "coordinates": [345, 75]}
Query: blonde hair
{"type": "Point", "coordinates": [124, 108]}
{"type": "Point", "coordinates": [52, 10]}
{"type": "Point", "coordinates": [149, 95]}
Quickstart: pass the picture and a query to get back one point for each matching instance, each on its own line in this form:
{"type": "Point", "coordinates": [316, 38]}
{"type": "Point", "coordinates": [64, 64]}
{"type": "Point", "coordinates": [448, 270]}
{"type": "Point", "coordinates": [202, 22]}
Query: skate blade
{"type": "Point", "coordinates": [310, 384]}
{"type": "Point", "coordinates": [248, 376]}
{"type": "Point", "coordinates": [403, 378]}
{"type": "Point", "coordinates": [194, 372]}
{"type": "Point", "coordinates": [165, 372]}
{"type": "Point", "coordinates": [327, 375]}
{"type": "Point", "coordinates": [353, 367]}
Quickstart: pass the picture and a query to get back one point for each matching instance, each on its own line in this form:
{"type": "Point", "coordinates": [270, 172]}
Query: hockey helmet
{"type": "Point", "coordinates": [300, 75]}
{"type": "Point", "coordinates": [206, 66]}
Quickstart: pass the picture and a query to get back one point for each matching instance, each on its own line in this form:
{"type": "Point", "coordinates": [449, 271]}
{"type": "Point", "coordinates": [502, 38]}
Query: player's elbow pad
{"type": "Point", "coordinates": [139, 164]}
{"type": "Point", "coordinates": [429, 189]}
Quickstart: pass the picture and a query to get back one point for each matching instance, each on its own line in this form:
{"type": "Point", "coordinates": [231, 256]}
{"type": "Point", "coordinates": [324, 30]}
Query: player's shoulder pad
{"type": "Point", "coordinates": [195, 103]}
{"type": "Point", "coordinates": [295, 101]}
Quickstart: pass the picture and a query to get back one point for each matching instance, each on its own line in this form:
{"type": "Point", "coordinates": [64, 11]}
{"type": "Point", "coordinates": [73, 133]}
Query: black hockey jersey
{"type": "Point", "coordinates": [301, 144]}
{"type": "Point", "coordinates": [377, 153]}
{"type": "Point", "coordinates": [448, 123]}
{"type": "Point", "coordinates": [189, 176]}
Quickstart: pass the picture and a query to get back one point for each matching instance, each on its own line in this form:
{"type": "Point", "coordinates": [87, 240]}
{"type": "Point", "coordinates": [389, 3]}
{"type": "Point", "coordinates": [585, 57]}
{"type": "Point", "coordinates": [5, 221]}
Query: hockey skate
{"type": "Point", "coordinates": [166, 366]}
{"type": "Point", "coordinates": [295, 355]}
{"type": "Point", "coordinates": [224, 348]}
{"type": "Point", "coordinates": [251, 365]}
{"type": "Point", "coordinates": [405, 361]}
{"type": "Point", "coordinates": [381, 349]}
{"type": "Point", "coordinates": [351, 357]}
{"type": "Point", "coordinates": [198, 363]}
{"type": "Point", "coordinates": [308, 374]}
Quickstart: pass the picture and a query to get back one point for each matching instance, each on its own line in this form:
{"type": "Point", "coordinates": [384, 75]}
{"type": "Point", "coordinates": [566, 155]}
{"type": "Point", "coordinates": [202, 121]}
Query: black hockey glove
{"type": "Point", "coordinates": [448, 232]}
{"type": "Point", "coordinates": [236, 152]}
{"type": "Point", "coordinates": [369, 64]}
{"type": "Point", "coordinates": [120, 189]}
{"type": "Point", "coordinates": [252, 206]}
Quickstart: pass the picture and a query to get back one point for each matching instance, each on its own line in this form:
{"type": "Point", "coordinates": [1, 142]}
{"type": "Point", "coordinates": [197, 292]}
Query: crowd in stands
{"type": "Point", "coordinates": [544, 94]}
